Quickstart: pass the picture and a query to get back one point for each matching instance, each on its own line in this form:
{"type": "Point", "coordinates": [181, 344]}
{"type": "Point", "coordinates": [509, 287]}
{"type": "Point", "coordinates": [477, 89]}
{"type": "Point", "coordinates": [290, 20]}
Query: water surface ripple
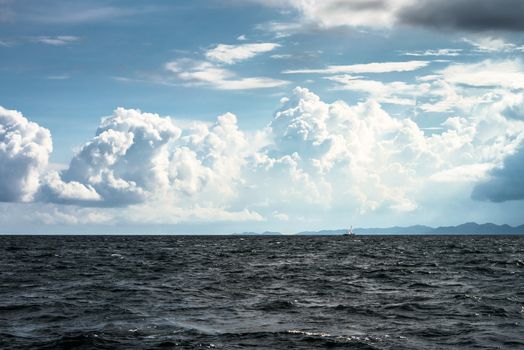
{"type": "Point", "coordinates": [182, 292]}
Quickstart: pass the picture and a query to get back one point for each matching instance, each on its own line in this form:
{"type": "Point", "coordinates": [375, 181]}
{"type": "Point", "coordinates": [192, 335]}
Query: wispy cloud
{"type": "Point", "coordinates": [58, 77]}
{"type": "Point", "coordinates": [375, 67]}
{"type": "Point", "coordinates": [507, 74]}
{"type": "Point", "coordinates": [437, 52]}
{"type": "Point", "coordinates": [397, 92]}
{"type": "Point", "coordinates": [81, 12]}
{"type": "Point", "coordinates": [59, 40]}
{"type": "Point", "coordinates": [5, 43]}
{"type": "Point", "coordinates": [489, 44]}
{"type": "Point", "coordinates": [281, 56]}
{"type": "Point", "coordinates": [194, 72]}
{"type": "Point", "coordinates": [281, 29]}
{"type": "Point", "coordinates": [211, 73]}
{"type": "Point", "coordinates": [230, 54]}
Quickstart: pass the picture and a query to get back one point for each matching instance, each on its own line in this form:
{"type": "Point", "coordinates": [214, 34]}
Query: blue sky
{"type": "Point", "coordinates": [224, 116]}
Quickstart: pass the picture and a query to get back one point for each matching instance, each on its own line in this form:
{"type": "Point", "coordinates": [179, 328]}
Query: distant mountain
{"type": "Point", "coordinates": [467, 228]}
{"type": "Point", "coordinates": [409, 230]}
{"type": "Point", "coordinates": [474, 228]}
{"type": "Point", "coordinates": [322, 233]}
{"type": "Point", "coordinates": [265, 233]}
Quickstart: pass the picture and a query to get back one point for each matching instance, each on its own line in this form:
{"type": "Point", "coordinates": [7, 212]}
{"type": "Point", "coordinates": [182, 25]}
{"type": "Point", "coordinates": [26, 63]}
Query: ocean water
{"type": "Point", "coordinates": [172, 292]}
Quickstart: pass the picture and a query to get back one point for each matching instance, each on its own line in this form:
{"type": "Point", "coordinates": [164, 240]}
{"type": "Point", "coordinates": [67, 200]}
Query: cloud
{"type": "Point", "coordinates": [144, 168]}
{"type": "Point", "coordinates": [514, 107]}
{"type": "Point", "coordinates": [123, 164]}
{"type": "Point", "coordinates": [466, 87]}
{"type": "Point", "coordinates": [464, 15]}
{"type": "Point", "coordinates": [24, 152]}
{"type": "Point", "coordinates": [58, 77]}
{"type": "Point", "coordinates": [280, 216]}
{"type": "Point", "coordinates": [331, 152]}
{"type": "Point", "coordinates": [138, 157]}
{"type": "Point", "coordinates": [283, 56]}
{"type": "Point", "coordinates": [78, 13]}
{"type": "Point", "coordinates": [463, 173]}
{"type": "Point", "coordinates": [472, 15]}
{"type": "Point", "coordinates": [336, 13]}
{"type": "Point", "coordinates": [375, 67]}
{"type": "Point", "coordinates": [437, 52]}
{"type": "Point", "coordinates": [211, 73]}
{"type": "Point", "coordinates": [151, 214]}
{"type": "Point", "coordinates": [314, 156]}
{"type": "Point", "coordinates": [64, 215]}
{"type": "Point", "coordinates": [322, 154]}
{"type": "Point", "coordinates": [457, 87]}
{"type": "Point", "coordinates": [59, 40]}
{"type": "Point", "coordinates": [5, 43]}
{"type": "Point", "coordinates": [230, 54]}
{"type": "Point", "coordinates": [491, 44]}
{"type": "Point", "coordinates": [204, 73]}
{"type": "Point", "coordinates": [487, 73]}
{"type": "Point", "coordinates": [505, 183]}
{"type": "Point", "coordinates": [280, 29]}
{"type": "Point", "coordinates": [396, 92]}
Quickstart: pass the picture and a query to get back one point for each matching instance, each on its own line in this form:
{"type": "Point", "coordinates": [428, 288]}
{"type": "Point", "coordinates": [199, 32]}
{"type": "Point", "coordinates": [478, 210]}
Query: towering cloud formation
{"type": "Point", "coordinates": [24, 152]}
{"type": "Point", "coordinates": [330, 153]}
{"type": "Point", "coordinates": [137, 157]}
{"type": "Point", "coordinates": [312, 156]}
{"type": "Point", "coordinates": [124, 163]}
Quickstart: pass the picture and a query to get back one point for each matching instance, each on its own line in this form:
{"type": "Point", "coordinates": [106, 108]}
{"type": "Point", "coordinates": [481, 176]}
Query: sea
{"type": "Point", "coordinates": [254, 292]}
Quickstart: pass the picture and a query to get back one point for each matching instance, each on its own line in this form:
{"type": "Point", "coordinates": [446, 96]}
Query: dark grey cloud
{"type": "Point", "coordinates": [506, 183]}
{"type": "Point", "coordinates": [472, 15]}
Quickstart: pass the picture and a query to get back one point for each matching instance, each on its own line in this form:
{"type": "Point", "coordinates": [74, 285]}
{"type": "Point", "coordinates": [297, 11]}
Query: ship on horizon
{"type": "Point", "coordinates": [349, 232]}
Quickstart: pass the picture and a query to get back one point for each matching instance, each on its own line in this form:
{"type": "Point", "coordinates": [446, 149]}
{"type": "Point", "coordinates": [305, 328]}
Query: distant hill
{"type": "Point", "coordinates": [265, 233]}
{"type": "Point", "coordinates": [322, 233]}
{"type": "Point", "coordinates": [474, 228]}
{"type": "Point", "coordinates": [467, 228]}
{"type": "Point", "coordinates": [470, 228]}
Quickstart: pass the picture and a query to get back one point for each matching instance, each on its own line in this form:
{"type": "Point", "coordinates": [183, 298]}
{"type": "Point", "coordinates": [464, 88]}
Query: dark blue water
{"type": "Point", "coordinates": [173, 292]}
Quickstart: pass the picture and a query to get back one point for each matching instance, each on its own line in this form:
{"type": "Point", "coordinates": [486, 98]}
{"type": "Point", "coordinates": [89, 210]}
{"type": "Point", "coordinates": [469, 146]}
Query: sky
{"type": "Point", "coordinates": [212, 117]}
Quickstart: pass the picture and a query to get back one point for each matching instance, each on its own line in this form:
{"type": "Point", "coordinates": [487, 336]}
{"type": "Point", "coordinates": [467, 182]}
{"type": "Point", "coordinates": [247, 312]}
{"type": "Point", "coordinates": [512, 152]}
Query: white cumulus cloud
{"type": "Point", "coordinates": [24, 152]}
{"type": "Point", "coordinates": [137, 158]}
{"type": "Point", "coordinates": [125, 162]}
{"type": "Point", "coordinates": [313, 158]}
